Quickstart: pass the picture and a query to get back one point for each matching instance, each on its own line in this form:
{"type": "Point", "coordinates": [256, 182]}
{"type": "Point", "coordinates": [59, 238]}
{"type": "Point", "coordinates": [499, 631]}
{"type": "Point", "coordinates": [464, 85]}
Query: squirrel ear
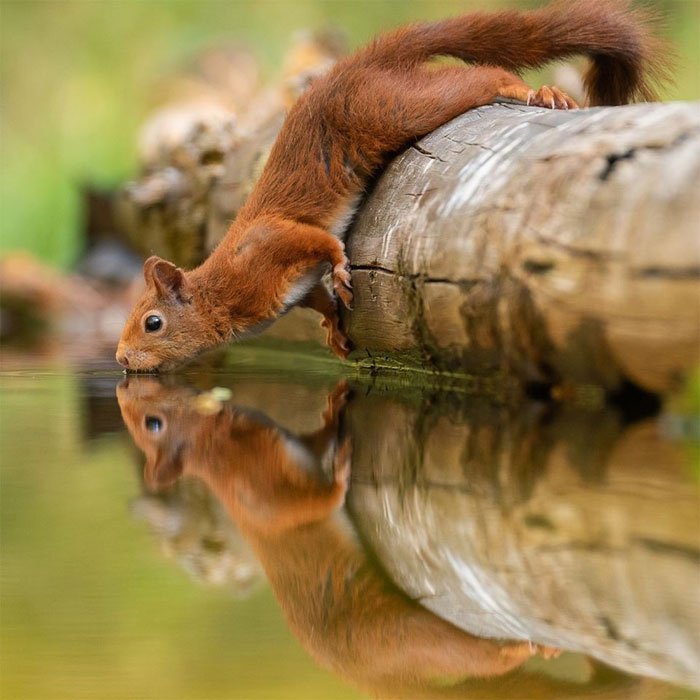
{"type": "Point", "coordinates": [148, 268]}
{"type": "Point", "coordinates": [166, 278]}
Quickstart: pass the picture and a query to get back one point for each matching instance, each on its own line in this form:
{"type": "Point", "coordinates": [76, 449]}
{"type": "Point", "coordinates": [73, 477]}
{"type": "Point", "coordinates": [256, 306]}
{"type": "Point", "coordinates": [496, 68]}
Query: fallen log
{"type": "Point", "coordinates": [556, 247]}
{"type": "Point", "coordinates": [551, 245]}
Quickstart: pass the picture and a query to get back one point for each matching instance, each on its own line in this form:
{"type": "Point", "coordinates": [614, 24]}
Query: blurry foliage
{"type": "Point", "coordinates": [683, 420]}
{"type": "Point", "coordinates": [78, 77]}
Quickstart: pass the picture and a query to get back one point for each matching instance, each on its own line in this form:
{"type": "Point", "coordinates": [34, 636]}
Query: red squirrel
{"type": "Point", "coordinates": [285, 493]}
{"type": "Point", "coordinates": [338, 135]}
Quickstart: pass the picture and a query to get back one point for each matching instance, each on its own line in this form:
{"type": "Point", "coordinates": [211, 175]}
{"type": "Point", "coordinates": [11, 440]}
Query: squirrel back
{"type": "Point", "coordinates": [381, 98]}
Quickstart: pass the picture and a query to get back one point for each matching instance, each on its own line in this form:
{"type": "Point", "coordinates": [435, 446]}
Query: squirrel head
{"type": "Point", "coordinates": [152, 418]}
{"type": "Point", "coordinates": [162, 424]}
{"type": "Point", "coordinates": [171, 322]}
{"type": "Point", "coordinates": [262, 473]}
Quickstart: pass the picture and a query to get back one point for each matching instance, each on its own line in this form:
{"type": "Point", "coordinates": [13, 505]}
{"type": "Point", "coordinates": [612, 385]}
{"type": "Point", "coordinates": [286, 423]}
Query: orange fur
{"type": "Point", "coordinates": [340, 133]}
{"type": "Point", "coordinates": [274, 487]}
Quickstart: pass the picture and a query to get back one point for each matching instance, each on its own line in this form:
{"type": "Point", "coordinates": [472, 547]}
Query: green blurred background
{"type": "Point", "coordinates": [77, 76]}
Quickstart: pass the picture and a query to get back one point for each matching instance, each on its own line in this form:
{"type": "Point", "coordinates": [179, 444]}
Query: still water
{"type": "Point", "coordinates": [269, 534]}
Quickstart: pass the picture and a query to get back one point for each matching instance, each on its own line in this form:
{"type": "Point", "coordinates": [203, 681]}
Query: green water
{"type": "Point", "coordinates": [576, 528]}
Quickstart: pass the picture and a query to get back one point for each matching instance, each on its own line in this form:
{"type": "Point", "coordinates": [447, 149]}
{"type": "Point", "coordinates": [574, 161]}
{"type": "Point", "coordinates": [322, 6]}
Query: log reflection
{"type": "Point", "coordinates": [490, 529]}
{"type": "Point", "coordinates": [566, 527]}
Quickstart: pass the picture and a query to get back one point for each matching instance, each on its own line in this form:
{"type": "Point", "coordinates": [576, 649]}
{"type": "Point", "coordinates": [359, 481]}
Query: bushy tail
{"type": "Point", "coordinates": [626, 57]}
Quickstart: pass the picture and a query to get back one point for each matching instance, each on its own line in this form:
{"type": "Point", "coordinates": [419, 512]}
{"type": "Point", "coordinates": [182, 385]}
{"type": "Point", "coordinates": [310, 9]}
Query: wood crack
{"type": "Point", "coordinates": [426, 279]}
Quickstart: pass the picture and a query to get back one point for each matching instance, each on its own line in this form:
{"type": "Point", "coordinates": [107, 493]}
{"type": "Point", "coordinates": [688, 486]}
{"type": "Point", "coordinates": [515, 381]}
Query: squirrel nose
{"type": "Point", "coordinates": [122, 359]}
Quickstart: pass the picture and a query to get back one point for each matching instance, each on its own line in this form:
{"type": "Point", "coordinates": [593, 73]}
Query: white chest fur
{"type": "Point", "coordinates": [302, 287]}
{"type": "Point", "coordinates": [345, 217]}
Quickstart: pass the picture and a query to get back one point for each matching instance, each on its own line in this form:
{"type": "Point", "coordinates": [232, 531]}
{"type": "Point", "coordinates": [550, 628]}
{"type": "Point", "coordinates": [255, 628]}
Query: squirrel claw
{"type": "Point", "coordinates": [342, 284]}
{"type": "Point", "coordinates": [551, 97]}
{"type": "Point", "coordinates": [547, 652]}
{"type": "Point", "coordinates": [524, 650]}
{"type": "Point", "coordinates": [336, 340]}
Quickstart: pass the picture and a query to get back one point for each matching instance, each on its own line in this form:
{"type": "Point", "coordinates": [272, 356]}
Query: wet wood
{"type": "Point", "coordinates": [560, 247]}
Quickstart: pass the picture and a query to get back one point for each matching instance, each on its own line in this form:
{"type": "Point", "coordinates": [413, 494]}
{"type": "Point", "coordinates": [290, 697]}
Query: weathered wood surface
{"type": "Point", "coordinates": [566, 529]}
{"type": "Point", "coordinates": [551, 246]}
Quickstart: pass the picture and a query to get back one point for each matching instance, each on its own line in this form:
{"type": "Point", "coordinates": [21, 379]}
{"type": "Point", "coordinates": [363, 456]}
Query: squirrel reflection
{"type": "Point", "coordinates": [286, 493]}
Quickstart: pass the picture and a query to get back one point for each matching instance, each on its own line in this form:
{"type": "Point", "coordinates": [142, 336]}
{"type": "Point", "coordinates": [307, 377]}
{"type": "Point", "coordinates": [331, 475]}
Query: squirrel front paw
{"type": "Point", "coordinates": [342, 283]}
{"type": "Point", "coordinates": [342, 464]}
{"type": "Point", "coordinates": [336, 402]}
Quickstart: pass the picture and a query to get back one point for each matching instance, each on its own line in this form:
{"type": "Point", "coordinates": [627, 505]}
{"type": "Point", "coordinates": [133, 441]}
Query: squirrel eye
{"type": "Point", "coordinates": [153, 424]}
{"type": "Point", "coordinates": [153, 323]}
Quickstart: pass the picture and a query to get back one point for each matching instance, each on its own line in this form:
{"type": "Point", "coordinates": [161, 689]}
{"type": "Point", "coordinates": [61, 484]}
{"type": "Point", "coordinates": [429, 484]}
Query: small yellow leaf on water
{"type": "Point", "coordinates": [221, 393]}
{"type": "Point", "coordinates": [211, 402]}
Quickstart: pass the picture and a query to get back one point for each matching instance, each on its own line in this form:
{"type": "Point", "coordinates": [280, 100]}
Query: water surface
{"type": "Point", "coordinates": [288, 535]}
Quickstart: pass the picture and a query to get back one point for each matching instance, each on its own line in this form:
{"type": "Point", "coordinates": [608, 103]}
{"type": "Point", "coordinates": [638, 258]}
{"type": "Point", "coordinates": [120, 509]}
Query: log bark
{"type": "Point", "coordinates": [557, 247]}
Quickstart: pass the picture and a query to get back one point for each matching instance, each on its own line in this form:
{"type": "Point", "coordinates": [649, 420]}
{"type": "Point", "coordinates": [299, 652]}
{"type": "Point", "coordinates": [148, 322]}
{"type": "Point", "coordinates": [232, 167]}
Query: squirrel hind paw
{"type": "Point", "coordinates": [551, 97]}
